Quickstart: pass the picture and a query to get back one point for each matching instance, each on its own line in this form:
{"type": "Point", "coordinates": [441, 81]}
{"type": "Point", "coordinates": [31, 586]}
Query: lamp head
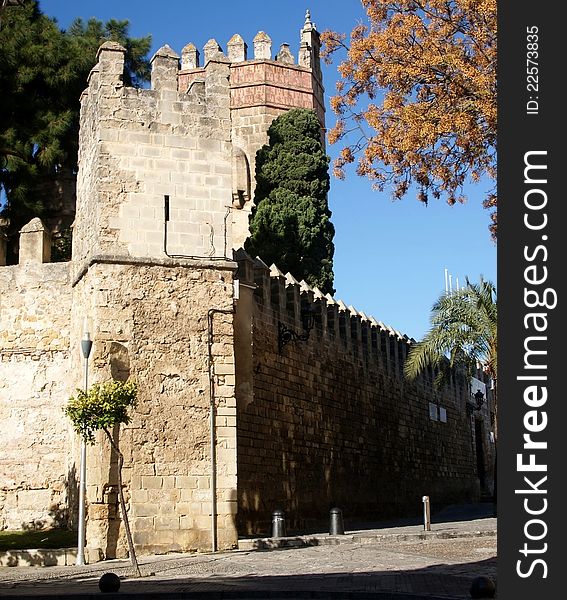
{"type": "Point", "coordinates": [86, 344]}
{"type": "Point", "coordinates": [479, 399]}
{"type": "Point", "coordinates": [308, 318]}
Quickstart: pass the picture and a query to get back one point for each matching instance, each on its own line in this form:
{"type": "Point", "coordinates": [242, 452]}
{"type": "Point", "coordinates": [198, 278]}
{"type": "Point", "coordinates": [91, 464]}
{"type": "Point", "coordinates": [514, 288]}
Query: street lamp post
{"type": "Point", "coordinates": [86, 346]}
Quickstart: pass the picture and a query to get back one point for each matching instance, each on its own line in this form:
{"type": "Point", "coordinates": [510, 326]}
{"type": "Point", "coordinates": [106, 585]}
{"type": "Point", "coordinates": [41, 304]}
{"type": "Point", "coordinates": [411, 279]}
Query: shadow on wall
{"type": "Point", "coordinates": [110, 498]}
{"type": "Point", "coordinates": [233, 500]}
{"type": "Point", "coordinates": [119, 361]}
{"type": "Point", "coordinates": [57, 518]}
{"type": "Point", "coordinates": [361, 465]}
{"type": "Point", "coordinates": [120, 371]}
{"type": "Point", "coordinates": [60, 515]}
{"type": "Point", "coordinates": [29, 558]}
{"type": "Point", "coordinates": [72, 498]}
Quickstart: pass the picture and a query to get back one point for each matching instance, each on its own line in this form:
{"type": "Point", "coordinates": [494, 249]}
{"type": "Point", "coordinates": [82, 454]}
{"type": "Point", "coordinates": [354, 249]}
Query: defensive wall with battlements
{"type": "Point", "coordinates": [232, 421]}
{"type": "Point", "coordinates": [331, 420]}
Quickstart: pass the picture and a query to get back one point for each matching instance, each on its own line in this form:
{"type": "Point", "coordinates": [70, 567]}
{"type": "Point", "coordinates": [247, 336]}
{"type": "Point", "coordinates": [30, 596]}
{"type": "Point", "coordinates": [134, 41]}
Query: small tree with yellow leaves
{"type": "Point", "coordinates": [102, 407]}
{"type": "Point", "coordinates": [416, 102]}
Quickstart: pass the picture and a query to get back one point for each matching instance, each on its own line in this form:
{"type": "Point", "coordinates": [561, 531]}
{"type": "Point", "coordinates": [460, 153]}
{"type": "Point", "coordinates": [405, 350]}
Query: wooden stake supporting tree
{"type": "Point", "coordinates": [102, 407]}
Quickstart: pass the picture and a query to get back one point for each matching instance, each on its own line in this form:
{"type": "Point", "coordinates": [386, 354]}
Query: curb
{"type": "Point", "coordinates": [62, 557]}
{"type": "Point", "coordinates": [360, 538]}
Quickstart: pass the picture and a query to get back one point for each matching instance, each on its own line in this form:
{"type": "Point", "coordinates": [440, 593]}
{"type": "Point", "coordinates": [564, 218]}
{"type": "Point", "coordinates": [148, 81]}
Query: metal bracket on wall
{"type": "Point", "coordinates": [286, 335]}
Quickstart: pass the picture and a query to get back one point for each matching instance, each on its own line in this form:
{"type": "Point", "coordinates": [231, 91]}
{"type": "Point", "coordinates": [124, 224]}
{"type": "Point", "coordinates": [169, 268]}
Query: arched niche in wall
{"type": "Point", "coordinates": [119, 361]}
{"type": "Point", "coordinates": [240, 178]}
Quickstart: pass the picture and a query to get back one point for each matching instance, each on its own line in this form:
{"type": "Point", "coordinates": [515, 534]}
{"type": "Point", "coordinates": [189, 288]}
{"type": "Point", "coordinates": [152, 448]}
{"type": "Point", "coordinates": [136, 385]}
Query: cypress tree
{"type": "Point", "coordinates": [290, 223]}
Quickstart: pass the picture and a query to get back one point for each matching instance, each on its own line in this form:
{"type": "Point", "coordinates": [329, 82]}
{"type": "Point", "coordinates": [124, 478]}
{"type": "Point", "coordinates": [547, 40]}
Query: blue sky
{"type": "Point", "coordinates": [390, 256]}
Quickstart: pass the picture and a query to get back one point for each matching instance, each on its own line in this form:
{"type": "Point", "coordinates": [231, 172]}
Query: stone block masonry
{"type": "Point", "coordinates": [149, 262]}
{"type": "Point", "coordinates": [331, 422]}
{"type": "Point", "coordinates": [152, 324]}
{"type": "Point", "coordinates": [230, 424]}
{"type": "Point", "coordinates": [36, 465]}
{"type": "Point", "coordinates": [142, 146]}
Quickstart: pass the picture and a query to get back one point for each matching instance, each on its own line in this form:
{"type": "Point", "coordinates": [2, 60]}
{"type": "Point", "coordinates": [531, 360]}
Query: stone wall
{"type": "Point", "coordinates": [168, 326]}
{"type": "Point", "coordinates": [36, 466]}
{"type": "Point", "coordinates": [152, 322]}
{"type": "Point", "coordinates": [331, 422]}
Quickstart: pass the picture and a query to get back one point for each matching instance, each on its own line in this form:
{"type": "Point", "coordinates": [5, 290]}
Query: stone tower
{"type": "Point", "coordinates": [164, 191]}
{"type": "Point", "coordinates": [260, 89]}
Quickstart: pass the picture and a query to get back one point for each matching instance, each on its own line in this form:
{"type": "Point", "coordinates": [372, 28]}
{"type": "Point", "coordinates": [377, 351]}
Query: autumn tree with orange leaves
{"type": "Point", "coordinates": [416, 102]}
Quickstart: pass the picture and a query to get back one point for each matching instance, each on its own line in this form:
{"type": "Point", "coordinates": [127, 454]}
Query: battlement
{"type": "Point", "coordinates": [34, 244]}
{"type": "Point", "coordinates": [268, 72]}
{"type": "Point", "coordinates": [368, 341]}
{"type": "Point", "coordinates": [289, 300]}
{"type": "Point", "coordinates": [169, 170]}
{"type": "Point", "coordinates": [308, 56]}
{"type": "Point", "coordinates": [263, 79]}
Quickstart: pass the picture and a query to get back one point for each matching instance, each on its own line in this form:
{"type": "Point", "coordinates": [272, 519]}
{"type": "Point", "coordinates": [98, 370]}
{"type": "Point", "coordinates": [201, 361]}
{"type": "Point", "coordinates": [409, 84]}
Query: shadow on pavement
{"type": "Point", "coordinates": [437, 582]}
{"type": "Point", "coordinates": [454, 513]}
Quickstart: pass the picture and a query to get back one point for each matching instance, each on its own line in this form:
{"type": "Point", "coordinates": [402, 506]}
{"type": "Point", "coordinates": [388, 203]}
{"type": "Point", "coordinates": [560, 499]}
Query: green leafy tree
{"type": "Point", "coordinates": [43, 71]}
{"type": "Point", "coordinates": [86, 38]}
{"type": "Point", "coordinates": [103, 407]}
{"type": "Point", "coordinates": [290, 224]}
{"type": "Point", "coordinates": [33, 119]}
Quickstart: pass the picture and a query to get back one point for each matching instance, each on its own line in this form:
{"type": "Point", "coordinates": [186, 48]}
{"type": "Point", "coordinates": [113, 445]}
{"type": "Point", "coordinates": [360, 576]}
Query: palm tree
{"type": "Point", "coordinates": [463, 334]}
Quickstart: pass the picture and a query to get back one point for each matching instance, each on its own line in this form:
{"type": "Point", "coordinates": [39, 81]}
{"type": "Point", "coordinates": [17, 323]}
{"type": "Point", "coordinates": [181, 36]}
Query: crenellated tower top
{"type": "Point", "coordinates": [184, 148]}
{"type": "Point", "coordinates": [277, 79]}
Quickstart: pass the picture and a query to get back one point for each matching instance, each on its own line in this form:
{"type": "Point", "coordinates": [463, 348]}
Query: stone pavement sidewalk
{"type": "Point", "coordinates": [398, 560]}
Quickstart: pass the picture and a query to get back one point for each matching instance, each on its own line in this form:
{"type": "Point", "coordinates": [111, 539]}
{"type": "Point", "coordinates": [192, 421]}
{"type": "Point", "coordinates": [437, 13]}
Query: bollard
{"type": "Point", "coordinates": [336, 526]}
{"type": "Point", "coordinates": [278, 524]}
{"type": "Point", "coordinates": [426, 513]}
{"type": "Point", "coordinates": [109, 583]}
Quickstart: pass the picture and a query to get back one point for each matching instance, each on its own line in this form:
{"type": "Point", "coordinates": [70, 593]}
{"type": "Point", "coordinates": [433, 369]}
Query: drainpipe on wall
{"type": "Point", "coordinates": [212, 430]}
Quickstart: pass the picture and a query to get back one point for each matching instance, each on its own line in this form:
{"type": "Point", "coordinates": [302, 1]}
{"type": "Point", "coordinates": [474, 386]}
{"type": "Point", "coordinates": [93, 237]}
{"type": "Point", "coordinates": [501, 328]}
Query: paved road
{"type": "Point", "coordinates": [396, 561]}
